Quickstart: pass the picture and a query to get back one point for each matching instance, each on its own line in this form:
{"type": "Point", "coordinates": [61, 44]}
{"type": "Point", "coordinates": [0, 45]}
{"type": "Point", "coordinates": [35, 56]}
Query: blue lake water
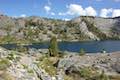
{"type": "Point", "coordinates": [88, 46]}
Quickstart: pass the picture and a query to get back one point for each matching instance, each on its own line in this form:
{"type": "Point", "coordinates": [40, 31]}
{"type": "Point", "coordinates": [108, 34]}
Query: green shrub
{"type": "Point", "coordinates": [30, 71]}
{"type": "Point", "coordinates": [42, 57]}
{"type": "Point", "coordinates": [12, 56]}
{"type": "Point", "coordinates": [25, 66]}
{"type": "Point", "coordinates": [8, 39]}
{"type": "Point", "coordinates": [82, 52]}
{"type": "Point", "coordinates": [4, 64]}
{"type": "Point", "coordinates": [85, 73]}
{"type": "Point", "coordinates": [66, 77]}
{"type": "Point", "coordinates": [114, 77]}
{"type": "Point", "coordinates": [47, 65]}
{"type": "Point", "coordinates": [103, 76]}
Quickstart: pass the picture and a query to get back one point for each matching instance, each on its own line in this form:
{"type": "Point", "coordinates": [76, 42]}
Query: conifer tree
{"type": "Point", "coordinates": [53, 48]}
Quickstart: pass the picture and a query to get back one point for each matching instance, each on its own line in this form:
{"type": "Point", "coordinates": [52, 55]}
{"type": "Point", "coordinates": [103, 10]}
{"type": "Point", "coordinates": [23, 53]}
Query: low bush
{"type": "Point", "coordinates": [4, 64]}
{"type": "Point", "coordinates": [47, 65]}
{"type": "Point", "coordinates": [85, 73]}
{"type": "Point", "coordinates": [66, 77]}
{"type": "Point", "coordinates": [82, 52]}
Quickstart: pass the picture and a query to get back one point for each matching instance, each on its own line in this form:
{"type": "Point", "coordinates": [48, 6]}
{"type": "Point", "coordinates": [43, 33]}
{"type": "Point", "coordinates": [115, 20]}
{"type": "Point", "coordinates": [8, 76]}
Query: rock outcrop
{"type": "Point", "coordinates": [37, 66]}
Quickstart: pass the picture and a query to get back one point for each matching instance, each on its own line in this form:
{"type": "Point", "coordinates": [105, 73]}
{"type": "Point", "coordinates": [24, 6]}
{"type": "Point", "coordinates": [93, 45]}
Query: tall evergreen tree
{"type": "Point", "coordinates": [53, 48]}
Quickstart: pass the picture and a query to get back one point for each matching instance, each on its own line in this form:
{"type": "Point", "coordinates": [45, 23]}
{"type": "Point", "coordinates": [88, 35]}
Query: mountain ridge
{"type": "Point", "coordinates": [37, 29]}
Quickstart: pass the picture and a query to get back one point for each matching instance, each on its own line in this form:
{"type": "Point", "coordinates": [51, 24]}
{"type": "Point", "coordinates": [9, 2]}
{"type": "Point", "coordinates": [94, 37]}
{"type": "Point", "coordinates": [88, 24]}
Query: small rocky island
{"type": "Point", "coordinates": [52, 64]}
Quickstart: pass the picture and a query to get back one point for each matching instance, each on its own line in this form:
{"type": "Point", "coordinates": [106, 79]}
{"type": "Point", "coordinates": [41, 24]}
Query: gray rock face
{"type": "Point", "coordinates": [108, 26]}
{"type": "Point", "coordinates": [85, 31]}
{"type": "Point", "coordinates": [3, 52]}
{"type": "Point", "coordinates": [109, 63]}
{"type": "Point", "coordinates": [104, 24]}
{"type": "Point", "coordinates": [116, 66]}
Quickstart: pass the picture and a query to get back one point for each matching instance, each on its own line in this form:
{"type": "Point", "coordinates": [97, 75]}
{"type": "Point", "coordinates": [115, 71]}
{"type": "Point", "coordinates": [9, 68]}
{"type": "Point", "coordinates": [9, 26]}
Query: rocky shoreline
{"type": "Point", "coordinates": [36, 65]}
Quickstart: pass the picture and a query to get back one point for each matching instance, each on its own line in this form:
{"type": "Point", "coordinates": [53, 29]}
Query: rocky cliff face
{"type": "Point", "coordinates": [102, 28]}
{"type": "Point", "coordinates": [36, 29]}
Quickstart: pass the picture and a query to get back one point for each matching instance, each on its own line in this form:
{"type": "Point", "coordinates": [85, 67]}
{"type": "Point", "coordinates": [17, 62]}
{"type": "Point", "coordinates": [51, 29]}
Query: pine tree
{"type": "Point", "coordinates": [53, 48]}
{"type": "Point", "coordinates": [82, 52]}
